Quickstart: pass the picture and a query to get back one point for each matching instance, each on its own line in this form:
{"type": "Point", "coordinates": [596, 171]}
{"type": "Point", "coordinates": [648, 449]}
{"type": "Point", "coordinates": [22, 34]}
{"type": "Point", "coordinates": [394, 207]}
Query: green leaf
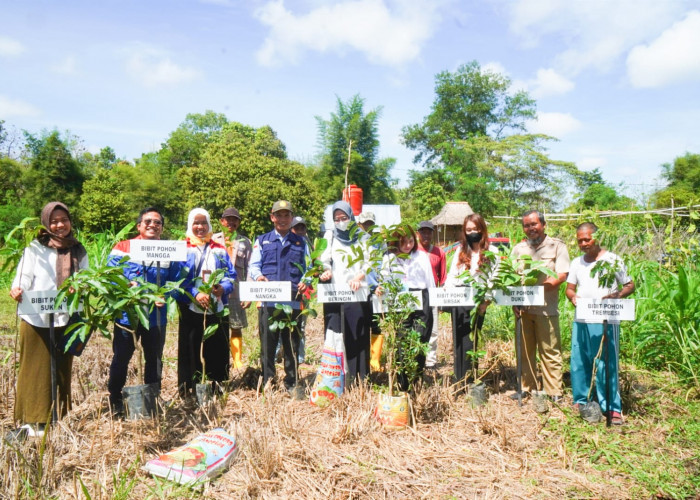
{"type": "Point", "coordinates": [209, 331]}
{"type": "Point", "coordinates": [143, 317]}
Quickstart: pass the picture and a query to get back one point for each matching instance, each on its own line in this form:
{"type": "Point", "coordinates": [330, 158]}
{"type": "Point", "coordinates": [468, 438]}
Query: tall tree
{"type": "Point", "coordinates": [349, 141]}
{"type": "Point", "coordinates": [248, 168]}
{"type": "Point", "coordinates": [186, 143]}
{"type": "Point", "coordinates": [107, 199]}
{"type": "Point", "coordinates": [53, 173]}
{"type": "Point", "coordinates": [476, 131]}
{"type": "Point", "coordinates": [469, 102]}
{"type": "Point", "coordinates": [683, 176]}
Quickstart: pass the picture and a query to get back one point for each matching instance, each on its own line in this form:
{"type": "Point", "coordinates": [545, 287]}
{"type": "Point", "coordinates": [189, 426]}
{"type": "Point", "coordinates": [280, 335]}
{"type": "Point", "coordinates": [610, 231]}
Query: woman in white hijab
{"type": "Point", "coordinates": [204, 256]}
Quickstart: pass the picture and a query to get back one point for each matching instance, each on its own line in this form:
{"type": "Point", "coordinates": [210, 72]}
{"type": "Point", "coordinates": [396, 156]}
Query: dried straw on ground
{"type": "Point", "coordinates": [290, 449]}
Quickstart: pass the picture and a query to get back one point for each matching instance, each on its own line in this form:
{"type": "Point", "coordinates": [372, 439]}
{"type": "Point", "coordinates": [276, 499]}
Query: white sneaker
{"type": "Point", "coordinates": [34, 431]}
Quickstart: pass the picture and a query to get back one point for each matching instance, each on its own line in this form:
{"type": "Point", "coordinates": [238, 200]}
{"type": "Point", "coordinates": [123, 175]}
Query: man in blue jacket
{"type": "Point", "coordinates": [150, 227]}
{"type": "Point", "coordinates": [279, 255]}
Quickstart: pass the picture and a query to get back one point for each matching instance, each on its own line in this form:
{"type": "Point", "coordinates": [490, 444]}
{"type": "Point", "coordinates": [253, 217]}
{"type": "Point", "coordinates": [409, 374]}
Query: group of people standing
{"type": "Point", "coordinates": [281, 255]}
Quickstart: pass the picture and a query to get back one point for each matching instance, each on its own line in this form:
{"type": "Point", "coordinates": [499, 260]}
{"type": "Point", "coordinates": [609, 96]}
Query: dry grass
{"type": "Point", "coordinates": [290, 449]}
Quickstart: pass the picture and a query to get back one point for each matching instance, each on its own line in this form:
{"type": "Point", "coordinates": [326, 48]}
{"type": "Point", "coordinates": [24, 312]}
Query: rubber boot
{"type": "Point", "coordinates": [375, 352]}
{"type": "Point", "coordinates": [236, 343]}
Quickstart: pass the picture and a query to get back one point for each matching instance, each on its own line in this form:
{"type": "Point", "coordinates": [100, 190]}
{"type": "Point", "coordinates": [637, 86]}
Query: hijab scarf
{"type": "Point", "coordinates": [344, 236]}
{"type": "Point", "coordinates": [69, 251]}
{"type": "Point", "coordinates": [194, 240]}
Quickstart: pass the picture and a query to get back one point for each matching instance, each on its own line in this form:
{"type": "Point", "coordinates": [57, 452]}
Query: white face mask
{"type": "Point", "coordinates": [342, 226]}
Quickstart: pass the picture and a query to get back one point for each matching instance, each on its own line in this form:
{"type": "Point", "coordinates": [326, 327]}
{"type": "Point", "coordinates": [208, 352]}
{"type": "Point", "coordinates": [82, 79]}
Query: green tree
{"type": "Point", "coordinates": [469, 102]}
{"type": "Point", "coordinates": [425, 195]}
{"type": "Point", "coordinates": [476, 132]}
{"type": "Point", "coordinates": [12, 209]}
{"type": "Point", "coordinates": [159, 186]}
{"type": "Point", "coordinates": [186, 143]}
{"type": "Point", "coordinates": [348, 141]}
{"type": "Point", "coordinates": [53, 173]}
{"type": "Point", "coordinates": [106, 201]}
{"type": "Point", "coordinates": [596, 194]}
{"type": "Point", "coordinates": [248, 168]}
{"type": "Point", "coordinates": [683, 176]}
{"type": "Point", "coordinates": [91, 164]}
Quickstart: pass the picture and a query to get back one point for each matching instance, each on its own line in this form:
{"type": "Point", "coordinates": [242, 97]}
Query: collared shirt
{"type": "Point", "coordinates": [255, 266]}
{"type": "Point", "coordinates": [239, 250]}
{"type": "Point", "coordinates": [553, 252]}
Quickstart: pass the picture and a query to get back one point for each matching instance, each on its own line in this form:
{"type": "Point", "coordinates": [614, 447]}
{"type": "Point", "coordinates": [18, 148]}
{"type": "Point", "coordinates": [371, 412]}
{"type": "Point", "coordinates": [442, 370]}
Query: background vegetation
{"type": "Point", "coordinates": [472, 145]}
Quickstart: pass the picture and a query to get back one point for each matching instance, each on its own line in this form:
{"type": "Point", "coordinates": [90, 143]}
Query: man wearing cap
{"type": "Point", "coordinates": [366, 220]}
{"type": "Point", "coordinates": [279, 255]}
{"type": "Point", "coordinates": [239, 250]}
{"type": "Point", "coordinates": [426, 232]}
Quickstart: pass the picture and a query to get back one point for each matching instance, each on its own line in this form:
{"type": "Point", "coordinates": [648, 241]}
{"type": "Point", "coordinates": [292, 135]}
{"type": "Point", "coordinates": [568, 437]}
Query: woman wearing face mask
{"type": "Point", "coordinates": [405, 262]}
{"type": "Point", "coordinates": [469, 257]}
{"type": "Point", "coordinates": [204, 256]}
{"type": "Point", "coordinates": [357, 315]}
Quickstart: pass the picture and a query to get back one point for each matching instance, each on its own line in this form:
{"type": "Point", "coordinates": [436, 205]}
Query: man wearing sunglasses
{"type": "Point", "coordinates": [149, 225]}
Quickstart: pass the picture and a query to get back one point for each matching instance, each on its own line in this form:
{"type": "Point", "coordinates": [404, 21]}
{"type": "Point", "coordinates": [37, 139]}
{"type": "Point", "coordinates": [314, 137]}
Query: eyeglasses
{"type": "Point", "coordinates": [152, 222]}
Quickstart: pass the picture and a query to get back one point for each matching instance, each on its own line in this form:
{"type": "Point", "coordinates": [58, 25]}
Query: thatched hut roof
{"type": "Point", "coordinates": [452, 214]}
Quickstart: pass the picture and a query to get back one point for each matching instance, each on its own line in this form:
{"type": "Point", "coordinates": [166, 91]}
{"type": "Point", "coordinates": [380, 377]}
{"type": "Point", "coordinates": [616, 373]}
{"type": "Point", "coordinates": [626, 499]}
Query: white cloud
{"type": "Point", "coordinates": [672, 58]}
{"type": "Point", "coordinates": [494, 67]}
{"type": "Point", "coordinates": [16, 108]}
{"type": "Point", "coordinates": [10, 47]}
{"type": "Point", "coordinates": [592, 34]}
{"type": "Point", "coordinates": [554, 124]}
{"type": "Point", "coordinates": [549, 82]}
{"type": "Point", "coordinates": [390, 32]}
{"type": "Point", "coordinates": [66, 66]}
{"type": "Point", "coordinates": [153, 67]}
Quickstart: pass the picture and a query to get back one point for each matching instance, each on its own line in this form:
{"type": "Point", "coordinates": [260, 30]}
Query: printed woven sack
{"type": "Point", "coordinates": [330, 380]}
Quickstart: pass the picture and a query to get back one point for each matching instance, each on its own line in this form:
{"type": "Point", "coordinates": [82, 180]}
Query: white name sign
{"type": "Point", "coordinates": [451, 296]}
{"type": "Point", "coordinates": [43, 302]}
{"type": "Point", "coordinates": [598, 310]}
{"type": "Point", "coordinates": [327, 292]}
{"type": "Point", "coordinates": [158, 250]}
{"type": "Point", "coordinates": [520, 296]}
{"type": "Point", "coordinates": [379, 305]}
{"type": "Point", "coordinates": [266, 291]}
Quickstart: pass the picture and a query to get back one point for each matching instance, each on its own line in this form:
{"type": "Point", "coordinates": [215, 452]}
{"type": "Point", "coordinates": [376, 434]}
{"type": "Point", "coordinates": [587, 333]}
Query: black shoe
{"type": "Point", "coordinates": [117, 409]}
{"type": "Point", "coordinates": [524, 394]}
{"type": "Point", "coordinates": [297, 393]}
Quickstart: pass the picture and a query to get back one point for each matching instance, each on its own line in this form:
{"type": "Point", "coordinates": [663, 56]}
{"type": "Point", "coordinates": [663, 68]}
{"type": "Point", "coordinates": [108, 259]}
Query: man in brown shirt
{"type": "Point", "coordinates": [540, 324]}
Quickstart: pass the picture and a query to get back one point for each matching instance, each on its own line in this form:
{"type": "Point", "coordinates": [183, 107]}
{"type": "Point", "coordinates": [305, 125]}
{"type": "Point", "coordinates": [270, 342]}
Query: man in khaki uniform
{"type": "Point", "coordinates": [239, 250]}
{"type": "Point", "coordinates": [540, 324]}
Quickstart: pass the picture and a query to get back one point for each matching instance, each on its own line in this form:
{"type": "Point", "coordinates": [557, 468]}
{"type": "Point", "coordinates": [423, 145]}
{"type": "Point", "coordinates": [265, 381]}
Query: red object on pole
{"type": "Point", "coordinates": [353, 195]}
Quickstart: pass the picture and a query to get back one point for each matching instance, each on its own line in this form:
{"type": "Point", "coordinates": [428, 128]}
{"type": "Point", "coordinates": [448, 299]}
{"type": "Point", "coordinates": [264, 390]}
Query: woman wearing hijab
{"type": "Point", "coordinates": [357, 315]}
{"type": "Point", "coordinates": [204, 256]}
{"type": "Point", "coordinates": [48, 260]}
{"type": "Point", "coordinates": [469, 258]}
{"type": "Point", "coordinates": [403, 261]}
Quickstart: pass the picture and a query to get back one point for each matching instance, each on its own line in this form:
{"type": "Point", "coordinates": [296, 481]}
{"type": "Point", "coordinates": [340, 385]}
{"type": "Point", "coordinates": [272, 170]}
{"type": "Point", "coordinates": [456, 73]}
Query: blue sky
{"type": "Point", "coordinates": [617, 82]}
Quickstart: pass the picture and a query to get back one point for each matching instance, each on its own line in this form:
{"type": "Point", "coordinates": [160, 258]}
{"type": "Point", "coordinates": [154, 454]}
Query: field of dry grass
{"type": "Point", "coordinates": [290, 449]}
